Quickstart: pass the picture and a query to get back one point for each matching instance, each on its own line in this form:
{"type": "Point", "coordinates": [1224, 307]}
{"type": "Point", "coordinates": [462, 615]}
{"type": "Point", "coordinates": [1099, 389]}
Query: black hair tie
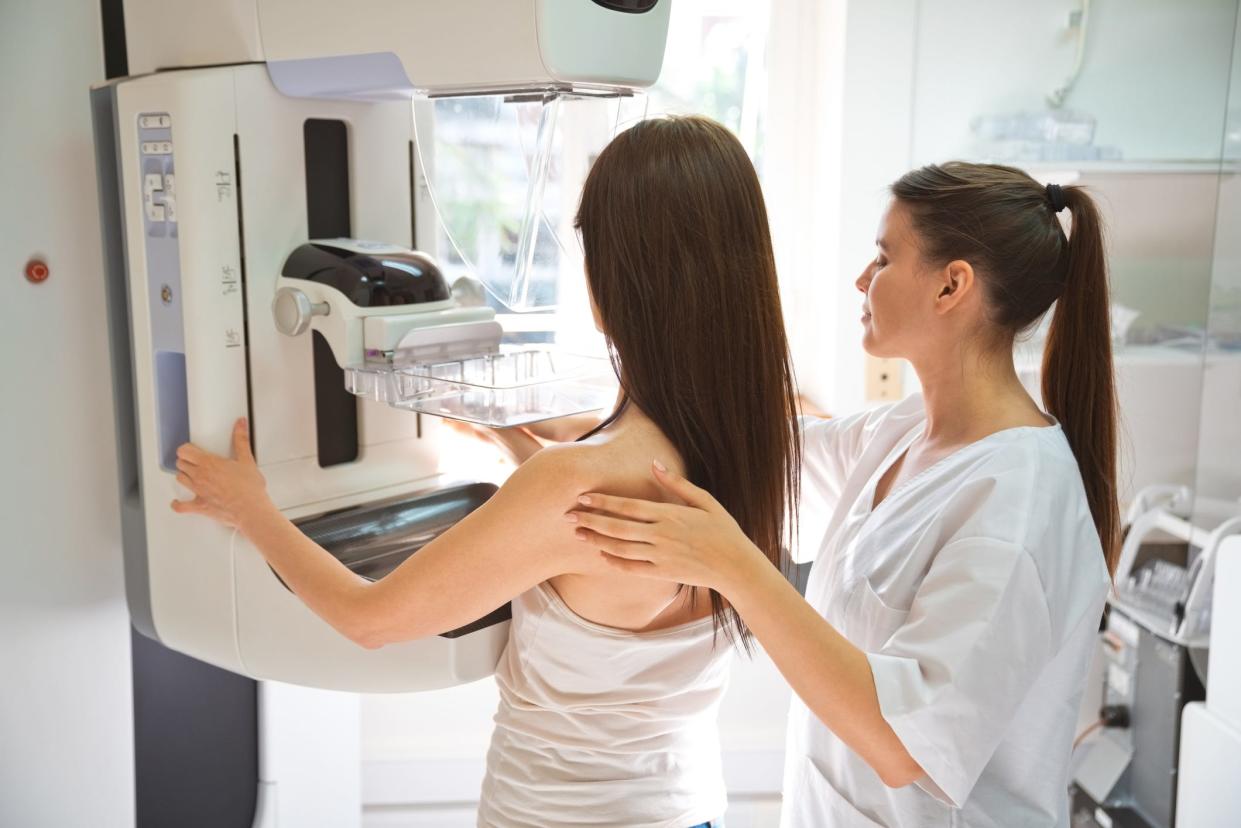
{"type": "Point", "coordinates": [1055, 197]}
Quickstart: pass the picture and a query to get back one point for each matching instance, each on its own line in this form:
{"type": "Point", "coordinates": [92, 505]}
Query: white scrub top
{"type": "Point", "coordinates": [976, 590]}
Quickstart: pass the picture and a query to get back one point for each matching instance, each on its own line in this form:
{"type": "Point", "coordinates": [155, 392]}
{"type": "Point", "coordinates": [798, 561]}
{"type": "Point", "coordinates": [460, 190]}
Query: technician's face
{"type": "Point", "coordinates": [897, 308]}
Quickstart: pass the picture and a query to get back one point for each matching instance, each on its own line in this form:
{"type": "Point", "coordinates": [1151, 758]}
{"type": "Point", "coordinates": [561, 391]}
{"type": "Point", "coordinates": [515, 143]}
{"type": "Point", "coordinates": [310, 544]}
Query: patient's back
{"type": "Point", "coordinates": [610, 683]}
{"type": "Point", "coordinates": [618, 462]}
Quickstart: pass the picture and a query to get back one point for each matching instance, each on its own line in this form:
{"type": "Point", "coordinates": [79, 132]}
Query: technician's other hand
{"type": "Point", "coordinates": [227, 490]}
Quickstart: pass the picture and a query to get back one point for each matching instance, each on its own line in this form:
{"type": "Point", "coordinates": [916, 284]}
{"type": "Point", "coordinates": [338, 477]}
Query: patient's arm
{"type": "Point", "coordinates": [517, 539]}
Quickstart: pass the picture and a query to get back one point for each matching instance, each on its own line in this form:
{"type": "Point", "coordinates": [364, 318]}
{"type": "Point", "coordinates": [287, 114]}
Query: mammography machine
{"type": "Point", "coordinates": [252, 147]}
{"type": "Point", "coordinates": [300, 127]}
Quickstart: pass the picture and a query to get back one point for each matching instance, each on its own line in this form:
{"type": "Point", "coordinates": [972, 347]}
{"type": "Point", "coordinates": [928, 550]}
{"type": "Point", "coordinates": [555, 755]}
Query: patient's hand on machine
{"type": "Point", "coordinates": [226, 490]}
{"type": "Point", "coordinates": [513, 542]}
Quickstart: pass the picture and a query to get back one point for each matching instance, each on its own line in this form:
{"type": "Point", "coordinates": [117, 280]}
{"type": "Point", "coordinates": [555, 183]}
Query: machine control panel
{"type": "Point", "coordinates": [159, 194]}
{"type": "Point", "coordinates": [159, 216]}
{"type": "Point", "coordinates": [159, 188]}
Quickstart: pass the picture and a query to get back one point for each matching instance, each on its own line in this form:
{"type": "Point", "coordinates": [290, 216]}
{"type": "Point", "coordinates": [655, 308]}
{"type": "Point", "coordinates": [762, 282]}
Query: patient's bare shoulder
{"type": "Point", "coordinates": [550, 481]}
{"type": "Point", "coordinates": [621, 467]}
{"type": "Point", "coordinates": [560, 463]}
{"type": "Point", "coordinates": [534, 500]}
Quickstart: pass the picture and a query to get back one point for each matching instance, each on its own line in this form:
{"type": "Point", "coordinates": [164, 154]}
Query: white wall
{"type": "Point", "coordinates": [839, 121]}
{"type": "Point", "coordinates": [801, 180]}
{"type": "Point", "coordinates": [66, 732]}
{"type": "Point", "coordinates": [875, 124]}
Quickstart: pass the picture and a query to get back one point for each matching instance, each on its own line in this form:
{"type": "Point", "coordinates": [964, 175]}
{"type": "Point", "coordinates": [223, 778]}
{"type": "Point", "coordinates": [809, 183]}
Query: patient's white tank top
{"type": "Point", "coordinates": [604, 727]}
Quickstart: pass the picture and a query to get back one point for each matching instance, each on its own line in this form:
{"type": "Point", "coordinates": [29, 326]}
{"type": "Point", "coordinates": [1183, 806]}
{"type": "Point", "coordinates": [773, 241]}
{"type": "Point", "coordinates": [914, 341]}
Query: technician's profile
{"type": "Point", "coordinates": [963, 536]}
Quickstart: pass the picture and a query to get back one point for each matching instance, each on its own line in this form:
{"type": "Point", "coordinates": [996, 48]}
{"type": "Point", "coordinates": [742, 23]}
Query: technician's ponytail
{"type": "Point", "coordinates": [1006, 224]}
{"type": "Point", "coordinates": [1079, 386]}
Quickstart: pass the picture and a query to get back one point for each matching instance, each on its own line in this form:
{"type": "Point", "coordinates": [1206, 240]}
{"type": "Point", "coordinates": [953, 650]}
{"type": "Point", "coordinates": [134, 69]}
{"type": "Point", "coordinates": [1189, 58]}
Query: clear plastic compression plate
{"type": "Point", "coordinates": [515, 385]}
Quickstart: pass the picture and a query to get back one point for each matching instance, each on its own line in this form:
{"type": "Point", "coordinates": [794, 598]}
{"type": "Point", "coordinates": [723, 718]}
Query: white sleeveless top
{"type": "Point", "coordinates": [604, 727]}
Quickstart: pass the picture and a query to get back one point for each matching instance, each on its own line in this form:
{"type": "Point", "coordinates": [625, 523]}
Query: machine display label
{"type": "Point", "coordinates": [230, 282]}
{"type": "Point", "coordinates": [223, 185]}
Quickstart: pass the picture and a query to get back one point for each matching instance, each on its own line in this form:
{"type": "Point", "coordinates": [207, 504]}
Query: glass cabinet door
{"type": "Point", "coordinates": [1218, 481]}
{"type": "Point", "coordinates": [1131, 101]}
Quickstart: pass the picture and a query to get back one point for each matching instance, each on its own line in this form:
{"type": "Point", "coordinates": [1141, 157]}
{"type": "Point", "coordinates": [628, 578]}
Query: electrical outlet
{"type": "Point", "coordinates": [884, 379]}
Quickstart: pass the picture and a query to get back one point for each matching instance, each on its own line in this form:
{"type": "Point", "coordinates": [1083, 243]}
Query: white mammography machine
{"type": "Point", "coordinates": [245, 130]}
{"type": "Point", "coordinates": [221, 174]}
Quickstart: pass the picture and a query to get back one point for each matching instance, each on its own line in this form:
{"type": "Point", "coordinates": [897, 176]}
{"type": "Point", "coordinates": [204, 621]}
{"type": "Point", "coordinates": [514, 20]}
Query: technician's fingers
{"type": "Point", "coordinates": [619, 548]}
{"type": "Point", "coordinates": [686, 491]}
{"type": "Point", "coordinates": [644, 568]}
{"type": "Point", "coordinates": [612, 527]}
{"type": "Point", "coordinates": [629, 507]}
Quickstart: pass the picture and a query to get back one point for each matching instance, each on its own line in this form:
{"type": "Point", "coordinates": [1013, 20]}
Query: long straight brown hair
{"type": "Point", "coordinates": [1005, 224]}
{"type": "Point", "coordinates": [680, 265]}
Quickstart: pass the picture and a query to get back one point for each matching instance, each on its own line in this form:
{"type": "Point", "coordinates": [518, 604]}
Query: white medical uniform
{"type": "Point", "coordinates": [976, 589]}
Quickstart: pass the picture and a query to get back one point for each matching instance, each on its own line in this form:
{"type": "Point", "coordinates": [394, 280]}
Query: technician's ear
{"type": "Point", "coordinates": [956, 285]}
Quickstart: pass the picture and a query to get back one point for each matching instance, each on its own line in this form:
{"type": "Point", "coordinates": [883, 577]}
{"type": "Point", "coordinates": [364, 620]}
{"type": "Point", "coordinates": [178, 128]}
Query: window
{"type": "Point", "coordinates": [487, 156]}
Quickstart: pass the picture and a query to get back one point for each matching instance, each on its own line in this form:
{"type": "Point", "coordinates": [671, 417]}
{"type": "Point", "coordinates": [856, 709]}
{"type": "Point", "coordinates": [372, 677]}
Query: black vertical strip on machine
{"type": "Point", "coordinates": [245, 297]}
{"type": "Point", "coordinates": [196, 745]}
{"type": "Point", "coordinates": [327, 215]}
{"type": "Point", "coordinates": [115, 56]}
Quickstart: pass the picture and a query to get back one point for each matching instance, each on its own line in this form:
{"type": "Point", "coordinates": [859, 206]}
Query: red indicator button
{"type": "Point", "coordinates": [36, 271]}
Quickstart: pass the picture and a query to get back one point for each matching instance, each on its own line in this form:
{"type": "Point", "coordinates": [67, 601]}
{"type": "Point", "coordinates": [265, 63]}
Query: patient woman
{"type": "Point", "coordinates": [609, 683]}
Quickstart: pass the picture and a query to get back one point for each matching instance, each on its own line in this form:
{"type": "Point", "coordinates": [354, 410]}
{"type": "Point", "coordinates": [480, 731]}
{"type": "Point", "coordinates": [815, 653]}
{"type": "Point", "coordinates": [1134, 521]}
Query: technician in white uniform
{"type": "Point", "coordinates": [964, 536]}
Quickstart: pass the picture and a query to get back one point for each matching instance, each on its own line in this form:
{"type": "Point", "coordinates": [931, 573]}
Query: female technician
{"type": "Point", "coordinates": [941, 650]}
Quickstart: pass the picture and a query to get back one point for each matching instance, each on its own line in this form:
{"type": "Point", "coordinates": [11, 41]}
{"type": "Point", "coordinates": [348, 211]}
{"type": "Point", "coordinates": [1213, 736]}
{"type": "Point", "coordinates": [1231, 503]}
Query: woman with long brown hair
{"type": "Point", "coordinates": [941, 651]}
{"type": "Point", "coordinates": [609, 683]}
